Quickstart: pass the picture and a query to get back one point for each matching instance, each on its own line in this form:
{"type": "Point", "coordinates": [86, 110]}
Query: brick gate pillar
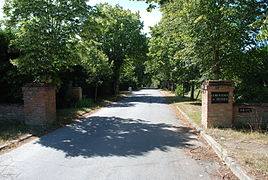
{"type": "Point", "coordinates": [217, 104]}
{"type": "Point", "coordinates": [39, 104]}
{"type": "Point", "coordinates": [76, 93]}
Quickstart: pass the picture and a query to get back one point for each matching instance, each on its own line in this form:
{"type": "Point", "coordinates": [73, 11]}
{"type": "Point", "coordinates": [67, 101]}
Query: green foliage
{"type": "Point", "coordinates": [95, 64]}
{"type": "Point", "coordinates": [45, 35]}
{"type": "Point", "coordinates": [251, 92]}
{"type": "Point", "coordinates": [120, 37]}
{"type": "Point", "coordinates": [179, 91]}
{"type": "Point", "coordinates": [11, 80]}
{"type": "Point", "coordinates": [70, 44]}
{"type": "Point", "coordinates": [84, 103]}
{"type": "Point", "coordinates": [252, 78]}
{"type": "Point", "coordinates": [11, 130]}
{"type": "Point", "coordinates": [201, 40]}
{"type": "Point", "coordinates": [154, 83]}
{"type": "Point", "coordinates": [128, 75]}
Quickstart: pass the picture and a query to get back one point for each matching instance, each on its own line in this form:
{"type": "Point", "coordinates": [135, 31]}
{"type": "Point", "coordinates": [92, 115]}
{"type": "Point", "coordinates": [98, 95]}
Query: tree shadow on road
{"type": "Point", "coordinates": [131, 101]}
{"type": "Point", "coordinates": [151, 99]}
{"type": "Point", "coordinates": [113, 136]}
{"type": "Point", "coordinates": [121, 104]}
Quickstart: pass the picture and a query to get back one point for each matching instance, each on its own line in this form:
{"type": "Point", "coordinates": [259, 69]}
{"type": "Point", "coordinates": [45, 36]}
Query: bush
{"type": "Point", "coordinates": [179, 90]}
{"type": "Point", "coordinates": [12, 129]}
{"type": "Point", "coordinates": [86, 102]}
{"type": "Point", "coordinates": [251, 93]}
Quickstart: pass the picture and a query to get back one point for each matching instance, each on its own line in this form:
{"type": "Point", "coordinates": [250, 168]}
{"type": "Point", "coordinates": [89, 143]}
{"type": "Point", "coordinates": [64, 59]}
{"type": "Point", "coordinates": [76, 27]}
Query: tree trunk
{"type": "Point", "coordinates": [96, 93]}
{"type": "Point", "coordinates": [168, 85]}
{"type": "Point", "coordinates": [116, 85]}
{"type": "Point", "coordinates": [172, 86]}
{"type": "Point", "coordinates": [117, 67]}
{"type": "Point", "coordinates": [197, 95]}
{"type": "Point", "coordinates": [215, 63]}
{"type": "Point", "coordinates": [183, 90]}
{"type": "Point", "coordinates": [192, 90]}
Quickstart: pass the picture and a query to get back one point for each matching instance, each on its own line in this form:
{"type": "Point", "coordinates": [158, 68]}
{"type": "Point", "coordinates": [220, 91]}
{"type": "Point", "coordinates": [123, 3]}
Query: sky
{"type": "Point", "coordinates": [1, 6]}
{"type": "Point", "coordinates": [149, 18]}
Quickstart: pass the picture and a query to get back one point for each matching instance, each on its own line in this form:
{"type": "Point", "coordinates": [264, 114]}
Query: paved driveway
{"type": "Point", "coordinates": [137, 138]}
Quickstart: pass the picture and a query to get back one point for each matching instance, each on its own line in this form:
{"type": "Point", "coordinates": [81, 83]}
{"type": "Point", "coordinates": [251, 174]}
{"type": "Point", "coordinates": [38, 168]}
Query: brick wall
{"type": "Point", "coordinates": [252, 114]}
{"type": "Point", "coordinates": [217, 114]}
{"type": "Point", "coordinates": [39, 104]}
{"type": "Point", "coordinates": [9, 112]}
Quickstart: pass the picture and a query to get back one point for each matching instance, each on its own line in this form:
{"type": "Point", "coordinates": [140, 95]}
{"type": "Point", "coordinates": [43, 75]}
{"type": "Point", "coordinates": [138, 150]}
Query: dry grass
{"type": "Point", "coordinates": [250, 149]}
{"type": "Point", "coordinates": [11, 130]}
{"type": "Point", "coordinates": [241, 135]}
{"type": "Point", "coordinates": [69, 114]}
{"type": "Point", "coordinates": [257, 161]}
{"type": "Point", "coordinates": [191, 108]}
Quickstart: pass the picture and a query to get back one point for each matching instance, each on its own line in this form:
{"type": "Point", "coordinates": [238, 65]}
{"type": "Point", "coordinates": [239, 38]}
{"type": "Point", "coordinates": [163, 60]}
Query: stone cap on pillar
{"type": "Point", "coordinates": [218, 84]}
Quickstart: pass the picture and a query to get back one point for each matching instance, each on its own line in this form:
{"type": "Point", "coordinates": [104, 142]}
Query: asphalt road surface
{"type": "Point", "coordinates": [138, 138]}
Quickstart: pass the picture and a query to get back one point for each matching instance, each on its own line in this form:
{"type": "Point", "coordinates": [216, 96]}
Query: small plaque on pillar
{"type": "Point", "coordinates": [219, 97]}
{"type": "Point", "coordinates": [245, 110]}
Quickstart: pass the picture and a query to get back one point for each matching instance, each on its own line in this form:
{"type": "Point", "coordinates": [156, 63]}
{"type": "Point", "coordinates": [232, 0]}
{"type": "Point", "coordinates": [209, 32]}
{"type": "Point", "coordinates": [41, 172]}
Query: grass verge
{"type": "Point", "coordinates": [11, 130]}
{"type": "Point", "coordinates": [249, 148]}
{"type": "Point", "coordinates": [190, 107]}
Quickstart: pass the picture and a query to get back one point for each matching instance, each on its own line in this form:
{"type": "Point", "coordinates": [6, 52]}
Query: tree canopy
{"type": "Point", "coordinates": [199, 40]}
{"type": "Point", "coordinates": [120, 37]}
{"type": "Point", "coordinates": [69, 42]}
{"type": "Point", "coordinates": [45, 34]}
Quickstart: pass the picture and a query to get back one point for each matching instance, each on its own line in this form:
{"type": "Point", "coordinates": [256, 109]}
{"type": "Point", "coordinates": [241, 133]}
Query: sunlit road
{"type": "Point", "coordinates": [137, 138]}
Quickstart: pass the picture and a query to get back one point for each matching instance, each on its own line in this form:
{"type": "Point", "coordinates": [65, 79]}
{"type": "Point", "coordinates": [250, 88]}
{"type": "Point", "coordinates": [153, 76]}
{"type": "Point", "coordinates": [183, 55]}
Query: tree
{"type": "Point", "coordinates": [214, 39]}
{"type": "Point", "coordinates": [168, 53]}
{"type": "Point", "coordinates": [11, 80]}
{"type": "Point", "coordinates": [120, 37]}
{"type": "Point", "coordinates": [96, 65]}
{"type": "Point", "coordinates": [45, 33]}
{"type": "Point", "coordinates": [127, 74]}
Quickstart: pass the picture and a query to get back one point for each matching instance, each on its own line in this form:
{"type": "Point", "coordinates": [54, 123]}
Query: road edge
{"type": "Point", "coordinates": [23, 138]}
{"type": "Point", "coordinates": [219, 150]}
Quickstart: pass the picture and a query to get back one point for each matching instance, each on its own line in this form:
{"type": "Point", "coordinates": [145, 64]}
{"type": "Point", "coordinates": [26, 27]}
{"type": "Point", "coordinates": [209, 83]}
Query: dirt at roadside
{"type": "Point", "coordinates": [249, 149]}
{"type": "Point", "coordinates": [251, 152]}
{"type": "Point", "coordinates": [204, 154]}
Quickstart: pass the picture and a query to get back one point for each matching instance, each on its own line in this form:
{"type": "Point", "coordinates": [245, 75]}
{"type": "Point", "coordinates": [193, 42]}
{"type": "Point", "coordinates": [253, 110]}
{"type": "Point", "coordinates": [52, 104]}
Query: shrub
{"type": "Point", "coordinates": [179, 90]}
{"type": "Point", "coordinates": [86, 102]}
{"type": "Point", "coordinates": [251, 93]}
